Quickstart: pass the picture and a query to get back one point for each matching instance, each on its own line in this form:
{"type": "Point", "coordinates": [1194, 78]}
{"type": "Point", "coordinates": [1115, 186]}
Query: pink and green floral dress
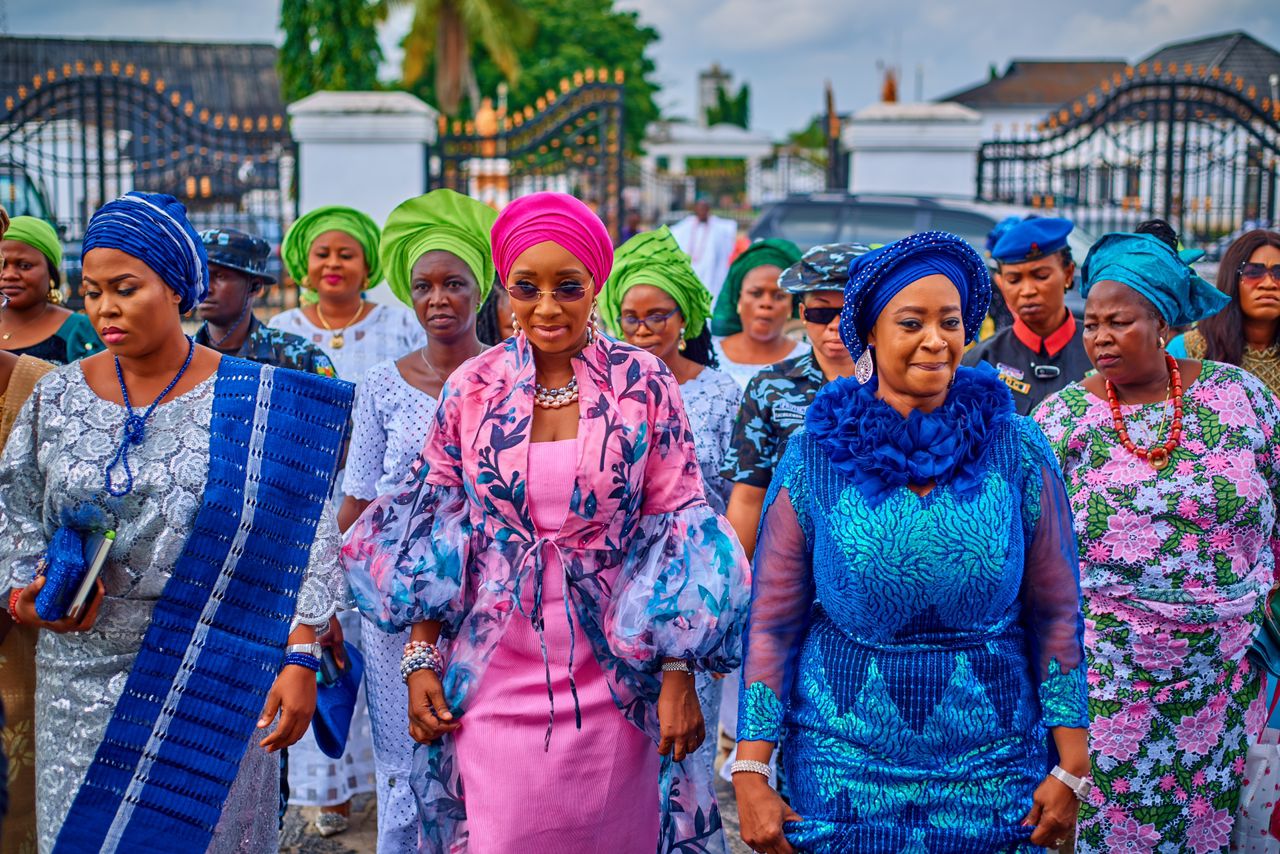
{"type": "Point", "coordinates": [1174, 568]}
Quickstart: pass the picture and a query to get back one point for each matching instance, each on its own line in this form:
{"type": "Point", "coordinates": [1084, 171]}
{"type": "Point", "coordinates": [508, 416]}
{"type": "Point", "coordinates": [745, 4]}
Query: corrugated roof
{"type": "Point", "coordinates": [1237, 52]}
{"type": "Point", "coordinates": [219, 76]}
{"type": "Point", "coordinates": [1038, 83]}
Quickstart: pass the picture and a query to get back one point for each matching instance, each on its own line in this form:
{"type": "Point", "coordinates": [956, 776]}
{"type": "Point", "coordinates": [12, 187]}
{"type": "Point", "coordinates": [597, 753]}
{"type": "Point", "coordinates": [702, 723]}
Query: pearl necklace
{"type": "Point", "coordinates": [555, 398]}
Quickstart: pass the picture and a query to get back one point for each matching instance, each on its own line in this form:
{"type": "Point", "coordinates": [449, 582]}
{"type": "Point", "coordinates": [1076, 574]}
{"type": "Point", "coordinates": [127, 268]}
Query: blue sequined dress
{"type": "Point", "coordinates": [912, 651]}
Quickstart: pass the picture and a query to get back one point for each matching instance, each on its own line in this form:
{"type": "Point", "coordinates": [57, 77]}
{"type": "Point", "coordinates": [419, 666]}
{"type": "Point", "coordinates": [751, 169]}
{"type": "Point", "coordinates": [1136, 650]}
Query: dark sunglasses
{"type": "Point", "coordinates": [1252, 274]}
{"type": "Point", "coordinates": [654, 322]}
{"type": "Point", "coordinates": [821, 315]}
{"type": "Point", "coordinates": [526, 292]}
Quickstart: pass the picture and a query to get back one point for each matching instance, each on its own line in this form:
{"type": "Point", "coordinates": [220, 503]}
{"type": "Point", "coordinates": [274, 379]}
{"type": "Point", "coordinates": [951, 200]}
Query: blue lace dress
{"type": "Point", "coordinates": [912, 651]}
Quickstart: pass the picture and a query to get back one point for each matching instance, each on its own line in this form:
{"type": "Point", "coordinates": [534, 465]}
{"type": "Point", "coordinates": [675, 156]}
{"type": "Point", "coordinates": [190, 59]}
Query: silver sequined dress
{"type": "Point", "coordinates": [51, 474]}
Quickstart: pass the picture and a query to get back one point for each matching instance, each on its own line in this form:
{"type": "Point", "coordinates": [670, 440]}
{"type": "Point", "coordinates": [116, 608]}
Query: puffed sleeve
{"type": "Point", "coordinates": [23, 538]}
{"type": "Point", "coordinates": [1051, 586]}
{"type": "Point", "coordinates": [781, 598]}
{"type": "Point", "coordinates": [368, 445]}
{"type": "Point", "coordinates": [682, 589]}
{"type": "Point", "coordinates": [406, 556]}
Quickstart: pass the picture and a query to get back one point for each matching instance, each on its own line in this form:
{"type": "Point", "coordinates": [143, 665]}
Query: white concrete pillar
{"type": "Point", "coordinates": [367, 150]}
{"type": "Point", "coordinates": [916, 149]}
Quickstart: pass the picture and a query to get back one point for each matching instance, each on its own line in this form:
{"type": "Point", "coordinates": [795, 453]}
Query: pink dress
{"type": "Point", "coordinates": [593, 789]}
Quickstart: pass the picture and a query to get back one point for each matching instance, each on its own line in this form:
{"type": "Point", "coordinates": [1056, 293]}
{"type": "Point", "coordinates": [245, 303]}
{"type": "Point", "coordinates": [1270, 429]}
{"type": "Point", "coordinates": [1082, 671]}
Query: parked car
{"type": "Point", "coordinates": [834, 217]}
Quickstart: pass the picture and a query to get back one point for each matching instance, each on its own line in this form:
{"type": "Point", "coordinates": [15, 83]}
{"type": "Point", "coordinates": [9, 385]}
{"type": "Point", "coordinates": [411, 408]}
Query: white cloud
{"type": "Point", "coordinates": [784, 48]}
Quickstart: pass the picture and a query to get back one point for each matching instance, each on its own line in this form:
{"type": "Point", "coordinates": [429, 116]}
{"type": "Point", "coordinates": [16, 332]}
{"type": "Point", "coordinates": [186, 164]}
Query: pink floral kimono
{"type": "Point", "coordinates": [650, 570]}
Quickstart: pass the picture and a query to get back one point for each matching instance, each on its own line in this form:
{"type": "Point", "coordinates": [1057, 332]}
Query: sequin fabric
{"type": "Point", "coordinates": [1174, 567]}
{"type": "Point", "coordinates": [901, 650]}
{"type": "Point", "coordinates": [51, 474]}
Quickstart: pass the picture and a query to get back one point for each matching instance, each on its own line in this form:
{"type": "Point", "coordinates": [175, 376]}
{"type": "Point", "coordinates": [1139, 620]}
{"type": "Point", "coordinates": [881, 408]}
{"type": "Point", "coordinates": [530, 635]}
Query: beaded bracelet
{"type": "Point", "coordinates": [13, 603]}
{"type": "Point", "coordinates": [420, 655]}
{"type": "Point", "coordinates": [302, 659]}
{"type": "Point", "coordinates": [677, 666]}
{"type": "Point", "coordinates": [750, 766]}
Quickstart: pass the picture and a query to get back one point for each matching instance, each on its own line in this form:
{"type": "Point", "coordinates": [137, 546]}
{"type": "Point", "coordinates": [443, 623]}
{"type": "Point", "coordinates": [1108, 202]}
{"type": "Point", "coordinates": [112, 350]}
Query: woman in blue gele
{"type": "Point", "coordinates": [915, 631]}
{"type": "Point", "coordinates": [161, 706]}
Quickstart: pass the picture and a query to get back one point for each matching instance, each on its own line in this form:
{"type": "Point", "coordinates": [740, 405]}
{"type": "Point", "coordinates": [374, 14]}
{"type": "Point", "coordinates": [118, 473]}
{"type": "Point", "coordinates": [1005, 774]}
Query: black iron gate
{"type": "Point", "coordinates": [571, 140]}
{"type": "Point", "coordinates": [1196, 146]}
{"type": "Point", "coordinates": [81, 134]}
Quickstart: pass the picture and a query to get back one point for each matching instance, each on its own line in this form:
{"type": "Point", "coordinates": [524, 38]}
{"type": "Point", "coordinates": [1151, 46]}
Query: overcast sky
{"type": "Point", "coordinates": [785, 57]}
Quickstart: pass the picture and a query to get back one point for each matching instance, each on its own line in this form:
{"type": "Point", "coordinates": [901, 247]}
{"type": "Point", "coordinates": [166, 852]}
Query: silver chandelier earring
{"type": "Point", "coordinates": [864, 368]}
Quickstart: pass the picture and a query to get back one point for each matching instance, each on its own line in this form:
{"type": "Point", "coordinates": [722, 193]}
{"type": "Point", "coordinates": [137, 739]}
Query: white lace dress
{"type": "Point", "coordinates": [386, 332]}
{"type": "Point", "coordinates": [52, 473]}
{"type": "Point", "coordinates": [741, 372]}
{"type": "Point", "coordinates": [391, 419]}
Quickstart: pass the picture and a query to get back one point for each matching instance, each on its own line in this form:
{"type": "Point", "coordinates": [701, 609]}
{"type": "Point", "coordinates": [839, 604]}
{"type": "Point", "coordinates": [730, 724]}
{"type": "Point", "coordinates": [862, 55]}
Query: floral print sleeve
{"type": "Point", "coordinates": [1051, 586]}
{"type": "Point", "coordinates": [684, 581]}
{"type": "Point", "coordinates": [781, 598]}
{"type": "Point", "coordinates": [406, 556]}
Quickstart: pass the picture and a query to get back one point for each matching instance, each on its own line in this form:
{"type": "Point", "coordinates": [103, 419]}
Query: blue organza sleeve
{"type": "Point", "coordinates": [406, 556]}
{"type": "Point", "coordinates": [682, 592]}
{"type": "Point", "coordinates": [782, 596]}
{"type": "Point", "coordinates": [1051, 586]}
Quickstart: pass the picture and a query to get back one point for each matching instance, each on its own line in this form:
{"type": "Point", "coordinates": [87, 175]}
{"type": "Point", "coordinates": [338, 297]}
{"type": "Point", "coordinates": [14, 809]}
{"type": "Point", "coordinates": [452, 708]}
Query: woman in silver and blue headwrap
{"type": "Point", "coordinates": [915, 630]}
{"type": "Point", "coordinates": [161, 704]}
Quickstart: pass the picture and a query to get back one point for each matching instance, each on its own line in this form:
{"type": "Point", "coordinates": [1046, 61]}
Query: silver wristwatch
{"type": "Point", "coordinates": [311, 649]}
{"type": "Point", "coordinates": [1082, 786]}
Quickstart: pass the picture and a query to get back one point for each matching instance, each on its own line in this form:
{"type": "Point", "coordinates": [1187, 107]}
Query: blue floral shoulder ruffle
{"type": "Point", "coordinates": [869, 442]}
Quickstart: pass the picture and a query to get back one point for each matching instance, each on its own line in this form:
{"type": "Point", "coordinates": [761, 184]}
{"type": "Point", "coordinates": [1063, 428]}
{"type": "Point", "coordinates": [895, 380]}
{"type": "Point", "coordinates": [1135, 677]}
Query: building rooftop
{"type": "Point", "coordinates": [1038, 83]}
{"type": "Point", "coordinates": [1237, 52]}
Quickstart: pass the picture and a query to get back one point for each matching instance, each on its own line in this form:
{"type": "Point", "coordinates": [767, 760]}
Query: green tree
{"type": "Point", "coordinates": [443, 36]}
{"type": "Point", "coordinates": [328, 44]}
{"type": "Point", "coordinates": [731, 109]}
{"type": "Point", "coordinates": [573, 35]}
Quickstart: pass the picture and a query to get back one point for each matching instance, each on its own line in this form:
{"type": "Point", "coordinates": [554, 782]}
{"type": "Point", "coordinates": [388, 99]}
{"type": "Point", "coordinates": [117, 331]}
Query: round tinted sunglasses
{"type": "Point", "coordinates": [525, 292]}
{"type": "Point", "coordinates": [1253, 274]}
{"type": "Point", "coordinates": [821, 314]}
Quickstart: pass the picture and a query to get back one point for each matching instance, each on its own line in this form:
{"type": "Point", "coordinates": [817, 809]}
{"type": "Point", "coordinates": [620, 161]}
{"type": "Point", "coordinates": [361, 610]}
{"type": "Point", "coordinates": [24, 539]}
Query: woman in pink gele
{"type": "Point", "coordinates": [553, 552]}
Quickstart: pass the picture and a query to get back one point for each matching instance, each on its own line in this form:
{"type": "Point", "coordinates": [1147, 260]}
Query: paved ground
{"type": "Point", "coordinates": [300, 836]}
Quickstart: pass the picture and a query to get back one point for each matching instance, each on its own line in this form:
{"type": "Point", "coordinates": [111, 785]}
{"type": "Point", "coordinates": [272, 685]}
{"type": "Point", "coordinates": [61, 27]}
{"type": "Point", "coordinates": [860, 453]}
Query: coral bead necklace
{"type": "Point", "coordinates": [1157, 455]}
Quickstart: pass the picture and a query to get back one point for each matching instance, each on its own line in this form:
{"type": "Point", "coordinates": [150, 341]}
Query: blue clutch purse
{"type": "Point", "coordinates": [63, 568]}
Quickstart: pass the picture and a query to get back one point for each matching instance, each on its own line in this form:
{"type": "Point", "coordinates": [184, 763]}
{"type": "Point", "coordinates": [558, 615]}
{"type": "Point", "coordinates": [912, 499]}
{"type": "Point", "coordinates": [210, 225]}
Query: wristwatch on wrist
{"type": "Point", "coordinates": [311, 649]}
{"type": "Point", "coordinates": [1082, 786]}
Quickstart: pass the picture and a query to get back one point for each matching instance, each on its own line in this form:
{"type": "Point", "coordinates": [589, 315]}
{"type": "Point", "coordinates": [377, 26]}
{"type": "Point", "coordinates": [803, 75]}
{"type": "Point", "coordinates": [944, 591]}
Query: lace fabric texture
{"type": "Point", "coordinates": [911, 653]}
{"type": "Point", "coordinates": [711, 401]}
{"type": "Point", "coordinates": [51, 474]}
{"type": "Point", "coordinates": [1175, 566]}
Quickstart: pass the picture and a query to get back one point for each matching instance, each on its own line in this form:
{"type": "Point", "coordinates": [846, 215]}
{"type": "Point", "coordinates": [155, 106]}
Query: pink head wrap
{"type": "Point", "coordinates": [556, 217]}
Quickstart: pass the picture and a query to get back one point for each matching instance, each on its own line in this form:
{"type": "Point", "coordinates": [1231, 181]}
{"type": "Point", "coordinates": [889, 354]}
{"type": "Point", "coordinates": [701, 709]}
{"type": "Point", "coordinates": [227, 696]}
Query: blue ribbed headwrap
{"type": "Point", "coordinates": [1147, 264]}
{"type": "Point", "coordinates": [153, 227]}
{"type": "Point", "coordinates": [876, 278]}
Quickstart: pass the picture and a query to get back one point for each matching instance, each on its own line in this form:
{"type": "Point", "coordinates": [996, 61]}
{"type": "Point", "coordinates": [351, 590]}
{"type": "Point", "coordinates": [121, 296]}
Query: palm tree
{"type": "Point", "coordinates": [444, 30]}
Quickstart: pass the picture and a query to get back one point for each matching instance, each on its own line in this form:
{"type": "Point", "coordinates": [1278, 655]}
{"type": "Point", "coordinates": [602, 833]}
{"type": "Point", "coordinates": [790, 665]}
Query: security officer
{"type": "Point", "coordinates": [1043, 351]}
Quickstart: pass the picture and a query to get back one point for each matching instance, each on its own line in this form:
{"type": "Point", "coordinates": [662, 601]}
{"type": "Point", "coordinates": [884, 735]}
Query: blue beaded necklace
{"type": "Point", "coordinates": [135, 427]}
